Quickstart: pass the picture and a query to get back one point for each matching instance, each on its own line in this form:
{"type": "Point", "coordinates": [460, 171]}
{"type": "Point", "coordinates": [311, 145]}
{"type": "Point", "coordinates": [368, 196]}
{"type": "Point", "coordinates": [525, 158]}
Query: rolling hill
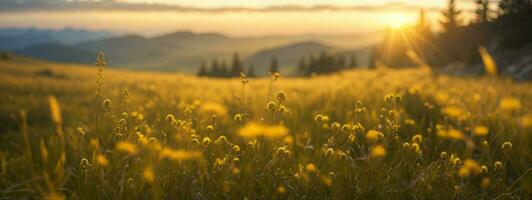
{"type": "Point", "coordinates": [184, 51]}
{"type": "Point", "coordinates": [60, 52]}
{"type": "Point", "coordinates": [288, 55]}
{"type": "Point", "coordinates": [14, 39]}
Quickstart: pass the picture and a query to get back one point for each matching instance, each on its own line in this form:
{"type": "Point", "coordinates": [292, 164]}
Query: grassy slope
{"type": "Point", "coordinates": [25, 84]}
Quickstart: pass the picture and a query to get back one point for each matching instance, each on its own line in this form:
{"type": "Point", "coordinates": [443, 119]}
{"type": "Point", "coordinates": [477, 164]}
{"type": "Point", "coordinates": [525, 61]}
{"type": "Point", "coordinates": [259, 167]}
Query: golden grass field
{"type": "Point", "coordinates": [74, 132]}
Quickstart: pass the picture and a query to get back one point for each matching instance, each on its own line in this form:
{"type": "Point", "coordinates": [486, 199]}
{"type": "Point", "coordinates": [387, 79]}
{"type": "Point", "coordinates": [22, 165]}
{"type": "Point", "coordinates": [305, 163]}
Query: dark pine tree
{"type": "Point", "coordinates": [215, 68]}
{"type": "Point", "coordinates": [251, 71]}
{"type": "Point", "coordinates": [236, 67]}
{"type": "Point", "coordinates": [340, 62]}
{"type": "Point", "coordinates": [422, 26]}
{"type": "Point", "coordinates": [482, 11]}
{"type": "Point", "coordinates": [274, 65]}
{"type": "Point", "coordinates": [513, 7]}
{"type": "Point", "coordinates": [373, 58]}
{"type": "Point", "coordinates": [312, 66]}
{"type": "Point", "coordinates": [223, 70]}
{"type": "Point", "coordinates": [203, 69]}
{"type": "Point", "coordinates": [451, 17]}
{"type": "Point", "coordinates": [515, 23]}
{"type": "Point", "coordinates": [301, 66]}
{"type": "Point", "coordinates": [353, 62]}
{"type": "Point", "coordinates": [451, 41]}
{"type": "Point", "coordinates": [421, 38]}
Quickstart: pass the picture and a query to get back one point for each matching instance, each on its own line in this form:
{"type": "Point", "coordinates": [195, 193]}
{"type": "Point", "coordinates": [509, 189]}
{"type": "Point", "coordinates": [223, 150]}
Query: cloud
{"type": "Point", "coordinates": [113, 5]}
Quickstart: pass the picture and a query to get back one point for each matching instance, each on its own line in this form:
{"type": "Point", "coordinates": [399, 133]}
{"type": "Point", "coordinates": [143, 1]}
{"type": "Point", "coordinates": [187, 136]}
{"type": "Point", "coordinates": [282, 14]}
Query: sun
{"type": "Point", "coordinates": [397, 21]}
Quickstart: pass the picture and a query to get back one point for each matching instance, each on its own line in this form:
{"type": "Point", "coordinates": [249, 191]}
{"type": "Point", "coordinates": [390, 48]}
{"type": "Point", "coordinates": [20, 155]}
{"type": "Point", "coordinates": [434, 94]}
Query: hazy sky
{"type": "Point", "coordinates": [234, 17]}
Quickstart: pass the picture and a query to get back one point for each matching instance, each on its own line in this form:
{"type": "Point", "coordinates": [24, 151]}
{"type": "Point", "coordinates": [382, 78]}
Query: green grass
{"type": "Point", "coordinates": [295, 155]}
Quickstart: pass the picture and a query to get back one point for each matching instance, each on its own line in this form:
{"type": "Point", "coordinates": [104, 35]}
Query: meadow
{"type": "Point", "coordinates": [90, 132]}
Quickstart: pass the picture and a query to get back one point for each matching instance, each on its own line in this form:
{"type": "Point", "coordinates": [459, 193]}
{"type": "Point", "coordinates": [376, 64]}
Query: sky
{"type": "Point", "coordinates": [231, 17]}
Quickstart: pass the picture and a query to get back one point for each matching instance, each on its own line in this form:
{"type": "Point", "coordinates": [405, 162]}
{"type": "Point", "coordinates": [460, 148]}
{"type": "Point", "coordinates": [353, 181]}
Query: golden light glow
{"type": "Point", "coordinates": [397, 21]}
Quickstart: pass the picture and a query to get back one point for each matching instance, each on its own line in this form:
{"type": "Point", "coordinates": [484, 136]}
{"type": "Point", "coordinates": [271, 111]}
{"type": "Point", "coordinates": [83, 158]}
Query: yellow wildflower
{"type": "Point", "coordinates": [526, 121]}
{"type": "Point", "coordinates": [177, 155]}
{"type": "Point", "coordinates": [55, 110]}
{"type": "Point", "coordinates": [485, 183]}
{"type": "Point", "coordinates": [281, 189]}
{"type": "Point", "coordinates": [509, 104]}
{"type": "Point", "coordinates": [311, 167]}
{"type": "Point", "coordinates": [54, 196]}
{"type": "Point", "coordinates": [126, 147]}
{"type": "Point", "coordinates": [453, 111]}
{"type": "Point", "coordinates": [373, 135]}
{"type": "Point", "coordinates": [480, 131]}
{"type": "Point", "coordinates": [102, 160]}
{"type": "Point", "coordinates": [252, 130]}
{"type": "Point", "coordinates": [213, 108]}
{"type": "Point", "coordinates": [470, 167]}
{"type": "Point", "coordinates": [451, 133]}
{"type": "Point", "coordinates": [326, 181]}
{"type": "Point", "coordinates": [235, 171]}
{"type": "Point", "coordinates": [378, 151]}
{"type": "Point", "coordinates": [288, 140]}
{"type": "Point", "coordinates": [148, 175]}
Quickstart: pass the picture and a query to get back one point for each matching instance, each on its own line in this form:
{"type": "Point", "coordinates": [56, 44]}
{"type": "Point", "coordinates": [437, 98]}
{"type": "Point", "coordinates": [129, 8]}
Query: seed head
{"type": "Point", "coordinates": [170, 118]}
{"type": "Point", "coordinates": [80, 131]}
{"type": "Point", "coordinates": [100, 60]}
{"type": "Point", "coordinates": [206, 141]}
{"type": "Point", "coordinates": [238, 118]}
{"type": "Point", "coordinates": [443, 155]}
{"type": "Point", "coordinates": [417, 138]}
{"type": "Point", "coordinates": [329, 152]}
{"type": "Point", "coordinates": [484, 170]}
{"type": "Point", "coordinates": [506, 147]}
{"type": "Point", "coordinates": [195, 141]}
{"type": "Point", "coordinates": [281, 96]}
{"type": "Point", "coordinates": [221, 139]}
{"type": "Point", "coordinates": [270, 107]}
{"type": "Point", "coordinates": [236, 148]}
{"type": "Point", "coordinates": [335, 126]}
{"type": "Point", "coordinates": [84, 163]}
{"type": "Point", "coordinates": [107, 104]}
{"type": "Point", "coordinates": [498, 166]}
{"type": "Point", "coordinates": [282, 109]}
{"type": "Point", "coordinates": [346, 128]}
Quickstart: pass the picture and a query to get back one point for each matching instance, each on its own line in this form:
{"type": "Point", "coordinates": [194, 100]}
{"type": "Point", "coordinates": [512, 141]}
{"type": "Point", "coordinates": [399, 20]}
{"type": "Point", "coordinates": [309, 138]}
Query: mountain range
{"type": "Point", "coordinates": [181, 51]}
{"type": "Point", "coordinates": [13, 39]}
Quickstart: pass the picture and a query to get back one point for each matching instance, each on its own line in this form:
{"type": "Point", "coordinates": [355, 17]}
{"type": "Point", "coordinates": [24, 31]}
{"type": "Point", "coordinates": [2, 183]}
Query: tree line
{"type": "Point", "coordinates": [325, 63]}
{"type": "Point", "coordinates": [221, 70]}
{"type": "Point", "coordinates": [509, 26]}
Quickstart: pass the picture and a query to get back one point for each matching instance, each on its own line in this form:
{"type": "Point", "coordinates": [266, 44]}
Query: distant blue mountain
{"type": "Point", "coordinates": [178, 51]}
{"type": "Point", "coordinates": [13, 39]}
{"type": "Point", "coordinates": [59, 52]}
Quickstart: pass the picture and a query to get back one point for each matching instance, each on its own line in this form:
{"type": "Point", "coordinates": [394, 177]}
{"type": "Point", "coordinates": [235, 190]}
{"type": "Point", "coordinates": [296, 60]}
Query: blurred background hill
{"type": "Point", "coordinates": [447, 39]}
{"type": "Point", "coordinates": [179, 51]}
